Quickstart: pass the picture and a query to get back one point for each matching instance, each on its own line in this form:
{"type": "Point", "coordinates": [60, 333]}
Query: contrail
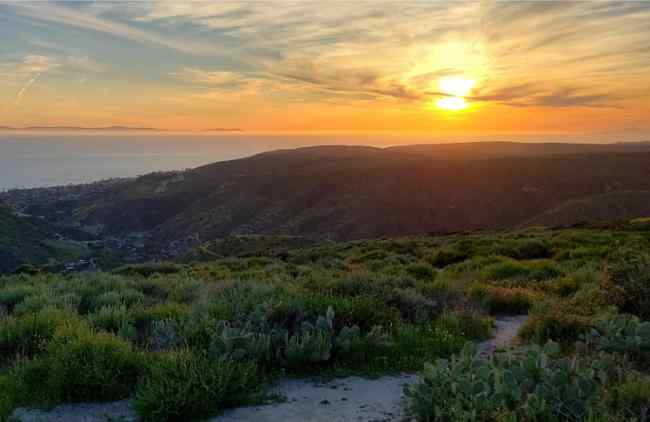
{"type": "Point", "coordinates": [23, 90]}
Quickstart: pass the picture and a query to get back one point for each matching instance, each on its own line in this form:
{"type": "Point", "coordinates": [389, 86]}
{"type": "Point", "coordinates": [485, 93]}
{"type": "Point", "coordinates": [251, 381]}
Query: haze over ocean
{"type": "Point", "coordinates": [49, 159]}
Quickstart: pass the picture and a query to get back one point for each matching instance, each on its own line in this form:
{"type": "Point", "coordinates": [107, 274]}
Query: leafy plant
{"type": "Point", "coordinates": [538, 385]}
{"type": "Point", "coordinates": [183, 385]}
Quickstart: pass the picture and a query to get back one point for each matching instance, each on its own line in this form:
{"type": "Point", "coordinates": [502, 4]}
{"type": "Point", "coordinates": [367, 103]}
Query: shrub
{"type": "Point", "coordinates": [13, 295]}
{"type": "Point", "coordinates": [630, 399]}
{"type": "Point", "coordinates": [30, 334]}
{"type": "Point", "coordinates": [556, 323]}
{"type": "Point", "coordinates": [629, 272]}
{"type": "Point", "coordinates": [421, 271]}
{"type": "Point", "coordinates": [470, 325]}
{"type": "Point", "coordinates": [622, 334]}
{"type": "Point", "coordinates": [147, 270]}
{"type": "Point", "coordinates": [115, 319]}
{"type": "Point", "coordinates": [412, 306]}
{"type": "Point", "coordinates": [501, 299]}
{"type": "Point", "coordinates": [123, 297]}
{"type": "Point", "coordinates": [183, 386]}
{"type": "Point", "coordinates": [538, 386]}
{"type": "Point", "coordinates": [85, 366]}
{"type": "Point", "coordinates": [526, 249]}
{"type": "Point", "coordinates": [448, 256]}
{"type": "Point", "coordinates": [505, 270]}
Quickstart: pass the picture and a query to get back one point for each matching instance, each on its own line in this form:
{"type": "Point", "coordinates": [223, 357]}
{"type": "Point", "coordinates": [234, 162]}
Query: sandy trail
{"type": "Point", "coordinates": [505, 331]}
{"type": "Point", "coordinates": [345, 399]}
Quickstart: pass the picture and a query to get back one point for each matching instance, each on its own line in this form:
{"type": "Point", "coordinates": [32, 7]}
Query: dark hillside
{"type": "Point", "coordinates": [359, 192]}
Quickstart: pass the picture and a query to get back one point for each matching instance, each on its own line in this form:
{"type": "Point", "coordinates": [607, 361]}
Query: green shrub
{"type": "Point", "coordinates": [147, 270]}
{"type": "Point", "coordinates": [537, 386]}
{"type": "Point", "coordinates": [470, 325]}
{"type": "Point", "coordinates": [29, 335]}
{"type": "Point", "coordinates": [13, 295]}
{"type": "Point", "coordinates": [526, 249]}
{"type": "Point", "coordinates": [630, 399]}
{"type": "Point", "coordinates": [448, 256]}
{"type": "Point", "coordinates": [84, 366]}
{"type": "Point", "coordinates": [412, 306]}
{"type": "Point", "coordinates": [556, 323]}
{"type": "Point", "coordinates": [505, 270]}
{"type": "Point", "coordinates": [421, 271]}
{"type": "Point", "coordinates": [629, 272]}
{"type": "Point", "coordinates": [184, 385]}
{"type": "Point", "coordinates": [622, 334]}
{"type": "Point", "coordinates": [124, 297]}
{"type": "Point", "coordinates": [503, 300]}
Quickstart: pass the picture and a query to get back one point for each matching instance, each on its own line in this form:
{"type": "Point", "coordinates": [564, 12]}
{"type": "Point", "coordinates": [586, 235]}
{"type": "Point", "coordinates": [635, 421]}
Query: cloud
{"type": "Point", "coordinates": [535, 94]}
{"type": "Point", "coordinates": [85, 64]}
{"type": "Point", "coordinates": [207, 77]}
{"type": "Point", "coordinates": [71, 17]}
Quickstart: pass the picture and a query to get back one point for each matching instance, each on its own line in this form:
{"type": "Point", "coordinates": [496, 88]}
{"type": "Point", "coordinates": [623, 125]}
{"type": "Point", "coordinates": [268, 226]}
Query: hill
{"type": "Point", "coordinates": [344, 192]}
{"type": "Point", "coordinates": [25, 240]}
{"type": "Point", "coordinates": [596, 208]}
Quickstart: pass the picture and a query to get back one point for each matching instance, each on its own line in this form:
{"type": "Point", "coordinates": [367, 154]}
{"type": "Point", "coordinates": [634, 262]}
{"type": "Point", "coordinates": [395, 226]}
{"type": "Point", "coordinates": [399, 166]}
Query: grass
{"type": "Point", "coordinates": [188, 340]}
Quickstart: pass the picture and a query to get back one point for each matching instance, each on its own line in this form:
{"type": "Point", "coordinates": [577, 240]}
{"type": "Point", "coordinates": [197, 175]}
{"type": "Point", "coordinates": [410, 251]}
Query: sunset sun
{"type": "Point", "coordinates": [455, 88]}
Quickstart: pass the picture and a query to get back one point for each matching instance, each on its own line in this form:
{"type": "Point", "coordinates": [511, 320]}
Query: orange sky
{"type": "Point", "coordinates": [578, 67]}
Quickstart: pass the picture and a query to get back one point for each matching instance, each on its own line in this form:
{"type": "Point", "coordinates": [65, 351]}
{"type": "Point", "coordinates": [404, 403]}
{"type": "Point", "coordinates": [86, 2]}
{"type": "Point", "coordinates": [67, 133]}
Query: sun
{"type": "Point", "coordinates": [455, 88]}
{"type": "Point", "coordinates": [452, 103]}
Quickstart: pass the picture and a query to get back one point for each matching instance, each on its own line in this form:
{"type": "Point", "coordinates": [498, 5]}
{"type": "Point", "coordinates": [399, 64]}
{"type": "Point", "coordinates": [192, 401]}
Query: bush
{"type": "Point", "coordinates": [501, 299]}
{"type": "Point", "coordinates": [83, 366]}
{"type": "Point", "coordinates": [183, 386]}
{"type": "Point", "coordinates": [421, 271]}
{"type": "Point", "coordinates": [412, 306]}
{"type": "Point", "coordinates": [29, 335]}
{"type": "Point", "coordinates": [505, 270]}
{"type": "Point", "coordinates": [629, 272]}
{"type": "Point", "coordinates": [526, 249]}
{"type": "Point", "coordinates": [622, 334]}
{"type": "Point", "coordinates": [556, 323]}
{"type": "Point", "coordinates": [537, 386]}
{"type": "Point", "coordinates": [448, 256]}
{"type": "Point", "coordinates": [470, 325]}
{"type": "Point", "coordinates": [147, 270]}
{"type": "Point", "coordinates": [630, 399]}
{"type": "Point", "coordinates": [13, 295]}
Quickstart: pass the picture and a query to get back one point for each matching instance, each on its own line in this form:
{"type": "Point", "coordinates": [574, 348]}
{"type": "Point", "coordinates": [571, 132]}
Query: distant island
{"type": "Point", "coordinates": [78, 128]}
{"type": "Point", "coordinates": [222, 129]}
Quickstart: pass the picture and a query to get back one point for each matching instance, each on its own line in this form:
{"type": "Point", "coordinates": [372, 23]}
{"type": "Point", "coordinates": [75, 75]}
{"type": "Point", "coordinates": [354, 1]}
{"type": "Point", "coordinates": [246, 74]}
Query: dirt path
{"type": "Point", "coordinates": [505, 331]}
{"type": "Point", "coordinates": [346, 399]}
{"type": "Point", "coordinates": [341, 400]}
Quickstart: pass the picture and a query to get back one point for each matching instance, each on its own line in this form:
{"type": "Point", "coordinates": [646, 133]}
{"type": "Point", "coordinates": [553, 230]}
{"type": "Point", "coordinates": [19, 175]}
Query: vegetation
{"type": "Point", "coordinates": [187, 340]}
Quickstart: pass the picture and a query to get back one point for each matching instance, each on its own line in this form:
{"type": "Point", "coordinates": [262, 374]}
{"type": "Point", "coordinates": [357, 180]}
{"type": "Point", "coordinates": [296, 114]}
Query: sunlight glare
{"type": "Point", "coordinates": [452, 103]}
{"type": "Point", "coordinates": [456, 86]}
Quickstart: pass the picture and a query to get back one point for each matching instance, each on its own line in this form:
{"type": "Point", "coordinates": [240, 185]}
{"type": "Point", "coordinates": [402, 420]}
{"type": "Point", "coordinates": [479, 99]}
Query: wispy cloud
{"type": "Point", "coordinates": [208, 77]}
{"type": "Point", "coordinates": [63, 15]}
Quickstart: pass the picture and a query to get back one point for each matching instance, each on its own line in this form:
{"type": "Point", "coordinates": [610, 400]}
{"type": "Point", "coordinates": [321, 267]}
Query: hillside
{"type": "Point", "coordinates": [340, 192]}
{"type": "Point", "coordinates": [26, 240]}
{"type": "Point", "coordinates": [598, 208]}
{"type": "Point", "coordinates": [167, 342]}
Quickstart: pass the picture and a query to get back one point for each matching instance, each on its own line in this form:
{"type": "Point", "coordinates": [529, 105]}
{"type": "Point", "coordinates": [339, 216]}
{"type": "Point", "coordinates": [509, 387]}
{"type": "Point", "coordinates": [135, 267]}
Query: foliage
{"type": "Point", "coordinates": [368, 307]}
{"type": "Point", "coordinates": [184, 385]}
{"type": "Point", "coordinates": [622, 334]}
{"type": "Point", "coordinates": [629, 273]}
{"type": "Point", "coordinates": [535, 386]}
{"type": "Point", "coordinates": [497, 299]}
{"type": "Point", "coordinates": [448, 256]}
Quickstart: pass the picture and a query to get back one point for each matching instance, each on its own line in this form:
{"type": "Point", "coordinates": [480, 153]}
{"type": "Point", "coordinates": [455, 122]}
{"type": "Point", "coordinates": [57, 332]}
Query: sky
{"type": "Point", "coordinates": [314, 66]}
